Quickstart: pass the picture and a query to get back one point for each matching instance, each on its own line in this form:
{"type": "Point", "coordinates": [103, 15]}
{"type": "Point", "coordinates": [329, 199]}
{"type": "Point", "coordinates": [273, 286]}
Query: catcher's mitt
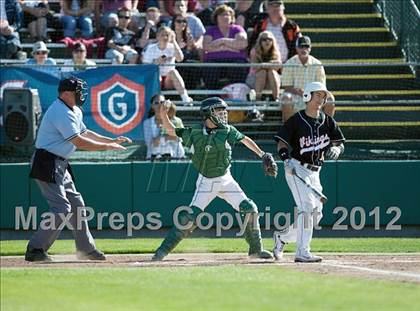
{"type": "Point", "coordinates": [269, 165]}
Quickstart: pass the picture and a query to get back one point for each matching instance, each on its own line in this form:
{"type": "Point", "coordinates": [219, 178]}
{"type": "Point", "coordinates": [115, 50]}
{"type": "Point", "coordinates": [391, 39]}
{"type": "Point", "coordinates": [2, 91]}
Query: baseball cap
{"type": "Point", "coordinates": [303, 42]}
{"type": "Point", "coordinates": [39, 46]}
{"type": "Point", "coordinates": [275, 2]}
{"type": "Point", "coordinates": [79, 46]}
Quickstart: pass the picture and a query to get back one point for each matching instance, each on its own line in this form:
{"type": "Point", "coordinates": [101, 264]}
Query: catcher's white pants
{"type": "Point", "coordinates": [309, 208]}
{"type": "Point", "coordinates": [224, 187]}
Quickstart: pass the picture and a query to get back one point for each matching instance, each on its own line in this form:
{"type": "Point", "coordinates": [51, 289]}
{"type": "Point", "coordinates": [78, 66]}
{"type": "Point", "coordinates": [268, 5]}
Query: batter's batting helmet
{"type": "Point", "coordinates": [314, 87]}
{"type": "Point", "coordinates": [208, 111]}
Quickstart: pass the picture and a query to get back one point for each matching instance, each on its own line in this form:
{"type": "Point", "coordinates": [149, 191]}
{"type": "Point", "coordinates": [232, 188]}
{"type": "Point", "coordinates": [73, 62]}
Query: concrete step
{"type": "Point", "coordinates": [329, 6]}
{"type": "Point", "coordinates": [361, 34]}
{"type": "Point", "coordinates": [356, 51]}
{"type": "Point", "coordinates": [337, 20]}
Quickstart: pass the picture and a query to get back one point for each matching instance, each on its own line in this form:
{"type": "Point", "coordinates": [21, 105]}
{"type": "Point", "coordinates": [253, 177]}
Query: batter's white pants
{"type": "Point", "coordinates": [309, 209]}
{"type": "Point", "coordinates": [224, 187]}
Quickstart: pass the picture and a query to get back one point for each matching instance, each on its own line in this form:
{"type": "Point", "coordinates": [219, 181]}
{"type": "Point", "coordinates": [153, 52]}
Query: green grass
{"type": "Point", "coordinates": [138, 245]}
{"type": "Point", "coordinates": [201, 288]}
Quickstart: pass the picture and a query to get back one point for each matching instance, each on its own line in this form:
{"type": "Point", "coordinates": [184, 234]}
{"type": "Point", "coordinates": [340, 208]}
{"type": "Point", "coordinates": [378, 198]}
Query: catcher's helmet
{"type": "Point", "coordinates": [314, 87]}
{"type": "Point", "coordinates": [208, 111]}
{"type": "Point", "coordinates": [76, 85]}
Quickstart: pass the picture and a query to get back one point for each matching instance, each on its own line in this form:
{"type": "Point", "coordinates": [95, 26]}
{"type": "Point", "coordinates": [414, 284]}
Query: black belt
{"type": "Point", "coordinates": [313, 168]}
{"type": "Point", "coordinates": [52, 154]}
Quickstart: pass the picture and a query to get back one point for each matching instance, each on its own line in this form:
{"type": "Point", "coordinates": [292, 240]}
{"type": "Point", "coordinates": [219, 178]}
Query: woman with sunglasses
{"type": "Point", "coordinates": [266, 53]}
{"type": "Point", "coordinates": [189, 48]}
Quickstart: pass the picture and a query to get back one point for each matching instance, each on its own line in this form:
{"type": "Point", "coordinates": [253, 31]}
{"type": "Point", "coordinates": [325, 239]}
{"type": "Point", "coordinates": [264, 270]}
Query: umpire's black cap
{"type": "Point", "coordinates": [69, 84]}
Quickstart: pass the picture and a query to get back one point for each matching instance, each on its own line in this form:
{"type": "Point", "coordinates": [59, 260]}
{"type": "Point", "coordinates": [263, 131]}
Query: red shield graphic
{"type": "Point", "coordinates": [107, 118]}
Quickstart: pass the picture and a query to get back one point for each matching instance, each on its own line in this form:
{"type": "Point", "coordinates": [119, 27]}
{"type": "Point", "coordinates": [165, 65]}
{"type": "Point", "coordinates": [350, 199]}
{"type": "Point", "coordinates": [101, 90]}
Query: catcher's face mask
{"type": "Point", "coordinates": [219, 116]}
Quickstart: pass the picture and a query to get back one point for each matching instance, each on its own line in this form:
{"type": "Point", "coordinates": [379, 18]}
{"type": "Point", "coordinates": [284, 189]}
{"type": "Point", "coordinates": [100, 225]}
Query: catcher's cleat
{"type": "Point", "coordinates": [278, 246]}
{"type": "Point", "coordinates": [308, 259]}
{"type": "Point", "coordinates": [93, 255]}
{"type": "Point", "coordinates": [263, 254]}
{"type": "Point", "coordinates": [37, 254]}
{"type": "Point", "coordinates": [158, 256]}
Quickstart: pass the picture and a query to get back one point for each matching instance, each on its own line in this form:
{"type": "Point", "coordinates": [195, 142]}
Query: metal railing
{"type": "Point", "coordinates": [403, 19]}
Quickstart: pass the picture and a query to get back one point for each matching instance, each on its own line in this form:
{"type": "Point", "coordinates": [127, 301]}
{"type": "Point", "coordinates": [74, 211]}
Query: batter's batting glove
{"type": "Point", "coordinates": [288, 167]}
{"type": "Point", "coordinates": [269, 165]}
{"type": "Point", "coordinates": [333, 153]}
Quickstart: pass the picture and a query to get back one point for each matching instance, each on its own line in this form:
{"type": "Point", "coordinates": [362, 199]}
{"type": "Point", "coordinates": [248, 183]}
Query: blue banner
{"type": "Point", "coordinates": [118, 100]}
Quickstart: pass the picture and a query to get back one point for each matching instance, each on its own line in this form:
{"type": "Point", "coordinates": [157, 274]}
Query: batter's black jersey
{"type": "Point", "coordinates": [309, 138]}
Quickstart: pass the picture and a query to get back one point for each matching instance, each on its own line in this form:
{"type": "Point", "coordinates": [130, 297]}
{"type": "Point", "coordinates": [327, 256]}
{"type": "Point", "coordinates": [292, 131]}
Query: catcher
{"type": "Point", "coordinates": [212, 158]}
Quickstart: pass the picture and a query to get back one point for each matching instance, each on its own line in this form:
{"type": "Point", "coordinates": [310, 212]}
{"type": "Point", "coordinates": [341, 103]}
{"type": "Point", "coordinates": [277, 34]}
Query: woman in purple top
{"type": "Point", "coordinates": [224, 43]}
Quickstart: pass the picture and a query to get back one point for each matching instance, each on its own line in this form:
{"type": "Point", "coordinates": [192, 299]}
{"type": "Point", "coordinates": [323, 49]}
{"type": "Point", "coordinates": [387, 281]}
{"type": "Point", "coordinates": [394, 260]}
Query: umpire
{"type": "Point", "coordinates": [61, 132]}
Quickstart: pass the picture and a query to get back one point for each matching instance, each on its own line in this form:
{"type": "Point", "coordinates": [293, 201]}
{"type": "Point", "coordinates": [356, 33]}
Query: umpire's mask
{"type": "Point", "coordinates": [76, 85]}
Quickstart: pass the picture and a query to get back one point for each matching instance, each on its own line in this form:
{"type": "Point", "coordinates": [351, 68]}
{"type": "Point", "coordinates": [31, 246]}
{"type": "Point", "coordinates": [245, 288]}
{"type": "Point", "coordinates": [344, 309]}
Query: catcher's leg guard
{"type": "Point", "coordinates": [176, 234]}
{"type": "Point", "coordinates": [252, 233]}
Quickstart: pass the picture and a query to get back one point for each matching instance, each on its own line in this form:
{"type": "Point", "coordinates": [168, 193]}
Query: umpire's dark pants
{"type": "Point", "coordinates": [63, 198]}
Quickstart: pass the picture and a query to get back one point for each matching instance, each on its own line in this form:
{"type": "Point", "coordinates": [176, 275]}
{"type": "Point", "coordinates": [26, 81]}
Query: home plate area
{"type": "Point", "coordinates": [397, 267]}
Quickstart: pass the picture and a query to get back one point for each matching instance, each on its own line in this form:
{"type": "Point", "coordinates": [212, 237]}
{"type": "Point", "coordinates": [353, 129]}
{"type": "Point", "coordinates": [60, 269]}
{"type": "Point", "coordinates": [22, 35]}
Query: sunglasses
{"type": "Point", "coordinates": [79, 51]}
{"type": "Point", "coordinates": [181, 21]}
{"type": "Point", "coordinates": [125, 17]}
{"type": "Point", "coordinates": [41, 53]}
{"type": "Point", "coordinates": [266, 39]}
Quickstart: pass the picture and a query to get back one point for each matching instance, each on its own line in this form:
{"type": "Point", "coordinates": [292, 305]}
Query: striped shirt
{"type": "Point", "coordinates": [298, 75]}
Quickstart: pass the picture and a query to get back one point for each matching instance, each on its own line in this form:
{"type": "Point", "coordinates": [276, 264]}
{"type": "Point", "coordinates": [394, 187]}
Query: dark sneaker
{"type": "Point", "coordinates": [93, 255]}
{"type": "Point", "coordinates": [37, 254]}
{"type": "Point", "coordinates": [308, 258]}
{"type": "Point", "coordinates": [261, 255]}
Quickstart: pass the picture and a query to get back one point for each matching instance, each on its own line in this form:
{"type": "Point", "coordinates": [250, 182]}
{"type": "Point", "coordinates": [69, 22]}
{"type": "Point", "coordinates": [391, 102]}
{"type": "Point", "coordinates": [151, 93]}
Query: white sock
{"type": "Point", "coordinates": [185, 97]}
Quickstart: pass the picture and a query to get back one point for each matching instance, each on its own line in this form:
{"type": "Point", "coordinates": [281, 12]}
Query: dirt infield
{"type": "Point", "coordinates": [396, 267]}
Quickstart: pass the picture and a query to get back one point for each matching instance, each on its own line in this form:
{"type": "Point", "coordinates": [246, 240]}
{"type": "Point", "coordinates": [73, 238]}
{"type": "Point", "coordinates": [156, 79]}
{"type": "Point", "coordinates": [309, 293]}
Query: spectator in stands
{"type": "Point", "coordinates": [204, 12]}
{"type": "Point", "coordinates": [329, 106]}
{"type": "Point", "coordinates": [106, 13]}
{"type": "Point", "coordinates": [246, 11]}
{"type": "Point", "coordinates": [36, 13]}
{"type": "Point", "coordinates": [284, 30]}
{"type": "Point", "coordinates": [121, 40]}
{"type": "Point", "coordinates": [188, 47]}
{"type": "Point", "coordinates": [301, 69]}
{"type": "Point", "coordinates": [76, 13]}
{"type": "Point", "coordinates": [10, 22]}
{"type": "Point", "coordinates": [79, 61]}
{"type": "Point", "coordinates": [167, 51]}
{"type": "Point", "coordinates": [167, 7]}
{"type": "Point", "coordinates": [159, 145]}
{"type": "Point", "coordinates": [195, 25]}
{"type": "Point", "coordinates": [41, 61]}
{"type": "Point", "coordinates": [224, 43]}
{"type": "Point", "coordinates": [148, 33]}
{"type": "Point", "coordinates": [265, 51]}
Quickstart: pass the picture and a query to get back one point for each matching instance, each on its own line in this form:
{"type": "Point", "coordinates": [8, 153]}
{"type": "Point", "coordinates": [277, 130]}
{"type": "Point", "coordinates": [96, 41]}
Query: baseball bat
{"type": "Point", "coordinates": [317, 193]}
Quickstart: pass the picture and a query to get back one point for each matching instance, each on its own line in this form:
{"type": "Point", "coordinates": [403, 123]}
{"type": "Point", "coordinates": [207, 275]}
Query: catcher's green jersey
{"type": "Point", "coordinates": [212, 152]}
